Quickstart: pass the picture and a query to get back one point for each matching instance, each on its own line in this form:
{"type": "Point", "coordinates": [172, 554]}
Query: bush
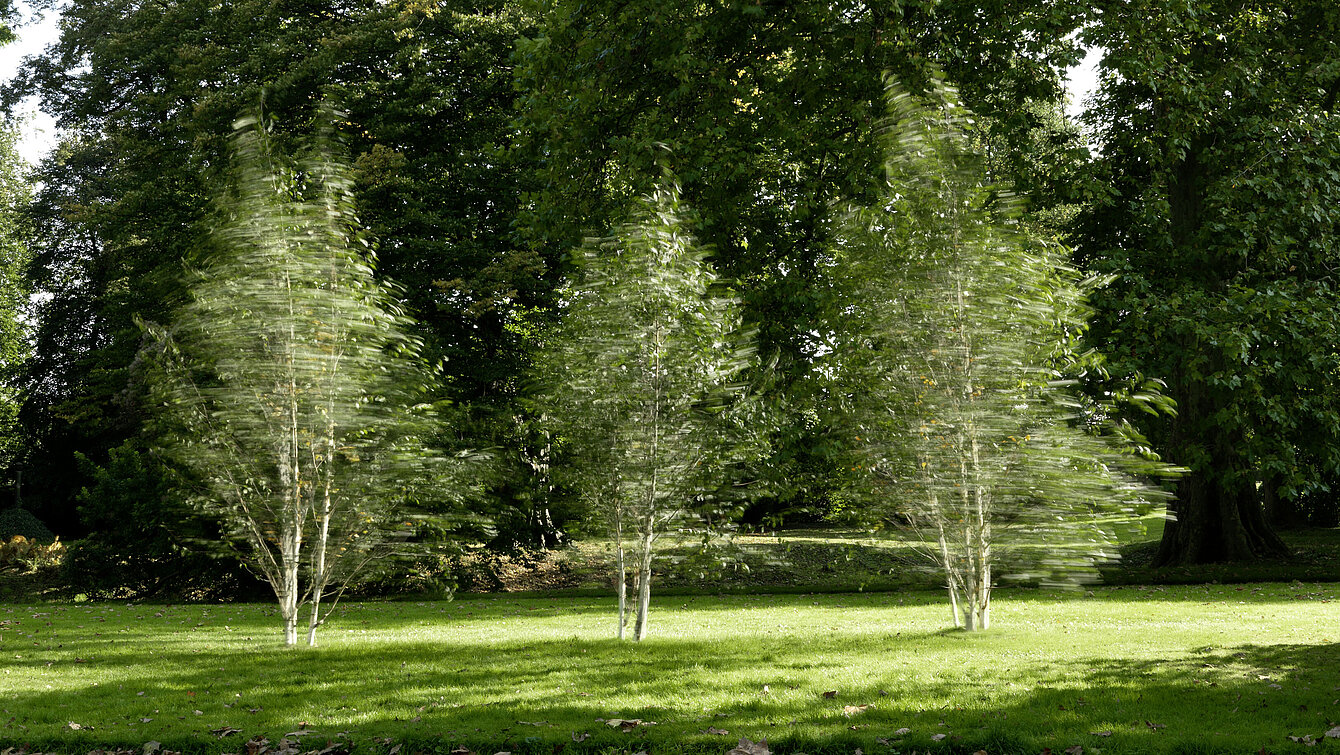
{"type": "Point", "coordinates": [18, 521]}
{"type": "Point", "coordinates": [144, 540]}
{"type": "Point", "coordinates": [22, 554]}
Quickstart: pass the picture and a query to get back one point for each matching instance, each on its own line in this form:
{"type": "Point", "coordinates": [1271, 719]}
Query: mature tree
{"type": "Point", "coordinates": [771, 109]}
{"type": "Point", "coordinates": [14, 193]}
{"type": "Point", "coordinates": [147, 92]}
{"type": "Point", "coordinates": [638, 375]}
{"type": "Point", "coordinates": [961, 317]}
{"type": "Point", "coordinates": [8, 19]}
{"type": "Point", "coordinates": [1220, 139]}
{"type": "Point", "coordinates": [291, 382]}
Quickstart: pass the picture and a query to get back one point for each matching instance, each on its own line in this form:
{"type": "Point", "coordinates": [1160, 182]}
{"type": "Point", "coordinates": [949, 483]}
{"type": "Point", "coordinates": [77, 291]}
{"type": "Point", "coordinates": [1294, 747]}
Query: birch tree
{"type": "Point", "coordinates": [290, 383]}
{"type": "Point", "coordinates": [640, 375]}
{"type": "Point", "coordinates": [959, 320]}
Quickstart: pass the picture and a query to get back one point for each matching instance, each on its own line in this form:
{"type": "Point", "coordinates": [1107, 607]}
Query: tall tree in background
{"type": "Point", "coordinates": [147, 93]}
{"type": "Point", "coordinates": [771, 110]}
{"type": "Point", "coordinates": [960, 318]}
{"type": "Point", "coordinates": [1220, 140]}
{"type": "Point", "coordinates": [638, 376]}
{"type": "Point", "coordinates": [14, 348]}
{"type": "Point", "coordinates": [291, 383]}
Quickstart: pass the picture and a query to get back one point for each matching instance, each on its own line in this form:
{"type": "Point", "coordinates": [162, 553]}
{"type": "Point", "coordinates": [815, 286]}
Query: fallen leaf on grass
{"type": "Point", "coordinates": [74, 726]}
{"type": "Point", "coordinates": [259, 744]}
{"type": "Point", "coordinates": [627, 724]}
{"type": "Point", "coordinates": [1100, 733]}
{"type": "Point", "coordinates": [1306, 739]}
{"type": "Point", "coordinates": [980, 752]}
{"type": "Point", "coordinates": [902, 732]}
{"type": "Point", "coordinates": [1076, 750]}
{"type": "Point", "coordinates": [461, 750]}
{"type": "Point", "coordinates": [1155, 727]}
{"type": "Point", "coordinates": [746, 747]}
{"type": "Point", "coordinates": [1333, 733]}
{"type": "Point", "coordinates": [938, 737]}
{"type": "Point", "coordinates": [851, 710]}
{"type": "Point", "coordinates": [152, 746]}
{"type": "Point", "coordinates": [714, 730]}
{"type": "Point", "coordinates": [580, 737]}
{"type": "Point", "coordinates": [224, 731]}
{"type": "Point", "coordinates": [299, 733]}
{"type": "Point", "coordinates": [831, 693]}
{"type": "Point", "coordinates": [533, 723]}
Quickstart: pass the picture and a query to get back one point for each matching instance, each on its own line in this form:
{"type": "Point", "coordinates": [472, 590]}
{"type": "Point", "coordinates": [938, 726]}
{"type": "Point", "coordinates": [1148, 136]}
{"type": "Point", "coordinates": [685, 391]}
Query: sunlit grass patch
{"type": "Point", "coordinates": [1214, 669]}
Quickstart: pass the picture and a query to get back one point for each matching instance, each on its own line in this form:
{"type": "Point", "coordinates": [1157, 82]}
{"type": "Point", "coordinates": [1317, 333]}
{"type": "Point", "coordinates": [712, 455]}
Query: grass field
{"type": "Point", "coordinates": [1219, 668]}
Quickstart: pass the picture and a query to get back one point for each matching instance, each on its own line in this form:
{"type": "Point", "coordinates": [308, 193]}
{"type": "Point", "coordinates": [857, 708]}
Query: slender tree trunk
{"type": "Point", "coordinates": [288, 586]}
{"type": "Point", "coordinates": [319, 577]}
{"type": "Point", "coordinates": [621, 574]}
{"type": "Point", "coordinates": [644, 582]}
{"type": "Point", "coordinates": [951, 583]}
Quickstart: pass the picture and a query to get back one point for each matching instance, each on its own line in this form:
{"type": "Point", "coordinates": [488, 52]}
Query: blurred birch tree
{"type": "Point", "coordinates": [290, 381]}
{"type": "Point", "coordinates": [958, 322]}
{"type": "Point", "coordinates": [640, 381]}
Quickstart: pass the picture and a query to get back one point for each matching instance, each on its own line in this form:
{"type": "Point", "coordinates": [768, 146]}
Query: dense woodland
{"type": "Point", "coordinates": [486, 140]}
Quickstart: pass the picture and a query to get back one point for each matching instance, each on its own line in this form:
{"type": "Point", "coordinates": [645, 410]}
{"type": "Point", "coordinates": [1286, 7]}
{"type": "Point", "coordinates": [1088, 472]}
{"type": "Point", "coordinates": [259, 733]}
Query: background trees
{"type": "Point", "coordinates": [148, 93]}
{"type": "Point", "coordinates": [14, 288]}
{"type": "Point", "coordinates": [291, 383]}
{"type": "Point", "coordinates": [488, 137]}
{"type": "Point", "coordinates": [1219, 143]}
{"type": "Point", "coordinates": [771, 111]}
{"type": "Point", "coordinates": [638, 377]}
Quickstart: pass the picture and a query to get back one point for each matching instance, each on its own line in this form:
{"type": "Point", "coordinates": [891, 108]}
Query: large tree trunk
{"type": "Point", "coordinates": [1218, 512]}
{"type": "Point", "coordinates": [1216, 524]}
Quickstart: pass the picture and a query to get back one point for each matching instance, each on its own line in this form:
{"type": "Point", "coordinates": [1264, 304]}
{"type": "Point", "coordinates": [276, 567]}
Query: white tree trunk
{"type": "Point", "coordinates": [319, 576]}
{"type": "Point", "coordinates": [643, 582]}
{"type": "Point", "coordinates": [288, 591]}
{"type": "Point", "coordinates": [620, 574]}
{"type": "Point", "coordinates": [951, 575]}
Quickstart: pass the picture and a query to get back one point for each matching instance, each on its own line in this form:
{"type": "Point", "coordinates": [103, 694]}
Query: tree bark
{"type": "Point", "coordinates": [621, 575]}
{"type": "Point", "coordinates": [643, 585]}
{"type": "Point", "coordinates": [1216, 524]}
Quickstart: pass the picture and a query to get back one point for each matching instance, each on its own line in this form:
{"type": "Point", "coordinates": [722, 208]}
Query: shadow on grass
{"type": "Point", "coordinates": [533, 696]}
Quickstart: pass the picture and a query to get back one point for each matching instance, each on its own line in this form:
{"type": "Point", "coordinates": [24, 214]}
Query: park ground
{"type": "Point", "coordinates": [1224, 667]}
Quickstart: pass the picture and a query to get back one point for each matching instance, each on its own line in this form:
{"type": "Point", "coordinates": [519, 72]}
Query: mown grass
{"type": "Point", "coordinates": [1119, 670]}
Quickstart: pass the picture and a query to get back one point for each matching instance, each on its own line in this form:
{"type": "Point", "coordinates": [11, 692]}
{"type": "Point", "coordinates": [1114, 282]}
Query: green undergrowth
{"type": "Point", "coordinates": [1218, 668]}
{"type": "Point", "coordinates": [851, 560]}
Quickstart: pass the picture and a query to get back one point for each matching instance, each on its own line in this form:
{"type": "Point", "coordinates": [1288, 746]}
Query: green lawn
{"type": "Point", "coordinates": [1164, 670]}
